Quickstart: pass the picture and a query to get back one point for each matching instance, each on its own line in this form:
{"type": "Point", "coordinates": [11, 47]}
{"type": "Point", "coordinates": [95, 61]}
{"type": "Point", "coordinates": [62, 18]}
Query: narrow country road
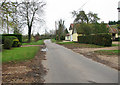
{"type": "Point", "coordinates": [66, 66]}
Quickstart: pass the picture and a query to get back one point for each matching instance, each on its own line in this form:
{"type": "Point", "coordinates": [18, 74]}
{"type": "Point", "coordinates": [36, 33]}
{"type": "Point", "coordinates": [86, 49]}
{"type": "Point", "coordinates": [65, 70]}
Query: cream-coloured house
{"type": "Point", "coordinates": [72, 35]}
{"type": "Point", "coordinates": [67, 37]}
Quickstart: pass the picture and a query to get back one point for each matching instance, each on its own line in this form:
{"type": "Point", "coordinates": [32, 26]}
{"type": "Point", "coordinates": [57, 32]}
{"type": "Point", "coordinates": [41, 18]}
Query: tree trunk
{"type": "Point", "coordinates": [59, 37]}
{"type": "Point", "coordinates": [7, 25]}
{"type": "Point", "coordinates": [29, 34]}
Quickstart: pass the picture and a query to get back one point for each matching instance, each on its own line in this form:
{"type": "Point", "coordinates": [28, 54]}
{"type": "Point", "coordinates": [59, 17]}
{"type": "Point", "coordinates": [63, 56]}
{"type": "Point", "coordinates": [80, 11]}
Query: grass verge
{"type": "Point", "coordinates": [53, 40]}
{"type": "Point", "coordinates": [19, 54]}
{"type": "Point", "coordinates": [56, 41]}
{"type": "Point", "coordinates": [39, 42]}
{"type": "Point", "coordinates": [108, 52]}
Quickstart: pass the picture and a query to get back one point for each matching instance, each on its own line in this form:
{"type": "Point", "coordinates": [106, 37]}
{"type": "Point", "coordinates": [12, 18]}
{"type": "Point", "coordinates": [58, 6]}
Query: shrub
{"type": "Point", "coordinates": [98, 39]}
{"type": "Point", "coordinates": [36, 38]}
{"type": "Point", "coordinates": [62, 37]}
{"type": "Point", "coordinates": [8, 42]}
{"type": "Point", "coordinates": [16, 43]}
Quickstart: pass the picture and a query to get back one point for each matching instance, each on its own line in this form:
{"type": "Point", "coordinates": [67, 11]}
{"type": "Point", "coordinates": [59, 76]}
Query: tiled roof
{"type": "Point", "coordinates": [71, 27]}
{"type": "Point", "coordinates": [112, 29]}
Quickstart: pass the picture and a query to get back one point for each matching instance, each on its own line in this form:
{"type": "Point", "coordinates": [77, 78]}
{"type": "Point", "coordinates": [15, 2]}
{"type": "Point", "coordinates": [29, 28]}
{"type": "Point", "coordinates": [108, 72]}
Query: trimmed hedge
{"type": "Point", "coordinates": [98, 39]}
{"type": "Point", "coordinates": [8, 41]}
{"type": "Point", "coordinates": [19, 36]}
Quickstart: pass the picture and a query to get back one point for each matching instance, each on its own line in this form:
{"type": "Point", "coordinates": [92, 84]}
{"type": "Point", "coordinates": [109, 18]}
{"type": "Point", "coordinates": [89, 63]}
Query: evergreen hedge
{"type": "Point", "coordinates": [8, 41]}
{"type": "Point", "coordinates": [19, 36]}
{"type": "Point", "coordinates": [97, 39]}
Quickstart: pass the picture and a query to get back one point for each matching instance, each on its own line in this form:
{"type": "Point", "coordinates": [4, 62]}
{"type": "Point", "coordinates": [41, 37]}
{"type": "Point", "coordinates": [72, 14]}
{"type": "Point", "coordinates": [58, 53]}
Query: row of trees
{"type": "Point", "coordinates": [88, 23]}
{"type": "Point", "coordinates": [18, 15]}
{"type": "Point", "coordinates": [113, 22]}
{"type": "Point", "coordinates": [82, 17]}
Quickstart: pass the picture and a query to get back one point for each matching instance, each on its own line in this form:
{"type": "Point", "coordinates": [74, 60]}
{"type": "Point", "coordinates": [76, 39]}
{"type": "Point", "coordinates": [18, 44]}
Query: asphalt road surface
{"type": "Point", "coordinates": [66, 66]}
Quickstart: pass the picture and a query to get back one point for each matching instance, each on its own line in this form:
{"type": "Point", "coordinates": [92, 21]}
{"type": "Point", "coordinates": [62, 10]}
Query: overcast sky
{"type": "Point", "coordinates": [61, 9]}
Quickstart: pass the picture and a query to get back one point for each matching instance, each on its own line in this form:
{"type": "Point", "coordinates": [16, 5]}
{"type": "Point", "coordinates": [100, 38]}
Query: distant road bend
{"type": "Point", "coordinates": [66, 66]}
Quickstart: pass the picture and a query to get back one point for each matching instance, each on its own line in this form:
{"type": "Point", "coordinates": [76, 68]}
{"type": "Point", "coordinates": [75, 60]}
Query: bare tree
{"type": "Point", "coordinates": [61, 28]}
{"type": "Point", "coordinates": [7, 15]}
{"type": "Point", "coordinates": [30, 13]}
{"type": "Point", "coordinates": [93, 17]}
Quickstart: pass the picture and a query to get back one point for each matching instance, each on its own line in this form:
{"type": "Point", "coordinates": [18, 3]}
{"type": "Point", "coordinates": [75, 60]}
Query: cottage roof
{"type": "Point", "coordinates": [113, 29]}
{"type": "Point", "coordinates": [71, 27]}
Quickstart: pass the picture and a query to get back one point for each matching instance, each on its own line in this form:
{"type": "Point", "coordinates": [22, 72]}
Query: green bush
{"type": "Point", "coordinates": [98, 39]}
{"type": "Point", "coordinates": [16, 43]}
{"type": "Point", "coordinates": [62, 37]}
{"type": "Point", "coordinates": [8, 42]}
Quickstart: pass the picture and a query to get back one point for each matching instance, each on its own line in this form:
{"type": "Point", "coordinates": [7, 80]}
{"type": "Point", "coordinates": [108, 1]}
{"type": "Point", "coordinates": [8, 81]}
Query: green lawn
{"type": "Point", "coordinates": [108, 52]}
{"type": "Point", "coordinates": [39, 42]}
{"type": "Point", "coordinates": [19, 54]}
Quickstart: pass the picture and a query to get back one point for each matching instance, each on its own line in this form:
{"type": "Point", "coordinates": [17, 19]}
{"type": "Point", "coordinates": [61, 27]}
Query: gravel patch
{"type": "Point", "coordinates": [109, 60]}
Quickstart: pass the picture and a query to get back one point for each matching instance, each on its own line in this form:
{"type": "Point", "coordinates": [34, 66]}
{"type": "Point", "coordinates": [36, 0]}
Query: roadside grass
{"type": "Point", "coordinates": [56, 41]}
{"type": "Point", "coordinates": [19, 54]}
{"type": "Point", "coordinates": [107, 52]}
{"type": "Point", "coordinates": [53, 40]}
{"type": "Point", "coordinates": [39, 42]}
